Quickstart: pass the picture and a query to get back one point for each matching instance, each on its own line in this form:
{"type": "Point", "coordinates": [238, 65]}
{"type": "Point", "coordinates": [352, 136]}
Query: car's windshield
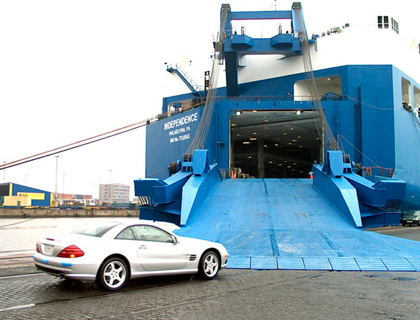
{"type": "Point", "coordinates": [96, 230]}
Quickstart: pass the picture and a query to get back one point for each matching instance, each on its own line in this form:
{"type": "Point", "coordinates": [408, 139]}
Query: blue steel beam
{"type": "Point", "coordinates": [284, 44]}
{"type": "Point", "coordinates": [236, 45]}
{"type": "Point", "coordinates": [261, 15]}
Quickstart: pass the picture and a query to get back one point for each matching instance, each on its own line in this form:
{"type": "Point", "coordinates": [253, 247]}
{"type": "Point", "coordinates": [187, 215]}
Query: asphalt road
{"type": "Point", "coordinates": [411, 233]}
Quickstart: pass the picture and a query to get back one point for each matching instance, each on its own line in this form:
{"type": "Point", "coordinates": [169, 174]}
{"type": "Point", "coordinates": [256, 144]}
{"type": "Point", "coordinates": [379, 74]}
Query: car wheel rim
{"type": "Point", "coordinates": [211, 265]}
{"type": "Point", "coordinates": [114, 274]}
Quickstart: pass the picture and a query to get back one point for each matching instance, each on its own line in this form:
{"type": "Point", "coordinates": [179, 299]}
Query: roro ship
{"type": "Point", "coordinates": [294, 144]}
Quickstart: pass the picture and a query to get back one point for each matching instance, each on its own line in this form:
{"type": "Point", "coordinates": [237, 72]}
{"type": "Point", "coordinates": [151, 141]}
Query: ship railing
{"type": "Point", "coordinates": [287, 97]}
{"type": "Point", "coordinates": [192, 103]}
{"type": "Point", "coordinates": [379, 171]}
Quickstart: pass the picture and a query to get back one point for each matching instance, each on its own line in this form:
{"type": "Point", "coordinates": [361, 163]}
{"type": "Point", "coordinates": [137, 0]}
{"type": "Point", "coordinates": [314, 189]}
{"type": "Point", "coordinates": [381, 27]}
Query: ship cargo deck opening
{"type": "Point", "coordinates": [275, 144]}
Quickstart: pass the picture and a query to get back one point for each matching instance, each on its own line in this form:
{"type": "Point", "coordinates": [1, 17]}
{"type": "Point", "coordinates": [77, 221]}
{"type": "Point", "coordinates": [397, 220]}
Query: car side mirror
{"type": "Point", "coordinates": [174, 239]}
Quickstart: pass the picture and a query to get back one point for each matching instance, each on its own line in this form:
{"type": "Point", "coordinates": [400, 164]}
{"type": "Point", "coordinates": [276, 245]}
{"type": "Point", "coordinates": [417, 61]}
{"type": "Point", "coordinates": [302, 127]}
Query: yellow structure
{"type": "Point", "coordinates": [16, 195]}
{"type": "Point", "coordinates": [17, 201]}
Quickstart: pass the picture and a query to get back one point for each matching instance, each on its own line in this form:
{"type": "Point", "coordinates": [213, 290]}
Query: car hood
{"type": "Point", "coordinates": [200, 243]}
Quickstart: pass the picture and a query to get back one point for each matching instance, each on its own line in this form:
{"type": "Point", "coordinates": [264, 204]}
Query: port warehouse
{"type": "Point", "coordinates": [13, 195]}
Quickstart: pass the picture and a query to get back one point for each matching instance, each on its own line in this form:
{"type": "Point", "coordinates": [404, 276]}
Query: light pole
{"type": "Point", "coordinates": [4, 171]}
{"type": "Point", "coordinates": [56, 177]}
{"type": "Point", "coordinates": [109, 187]}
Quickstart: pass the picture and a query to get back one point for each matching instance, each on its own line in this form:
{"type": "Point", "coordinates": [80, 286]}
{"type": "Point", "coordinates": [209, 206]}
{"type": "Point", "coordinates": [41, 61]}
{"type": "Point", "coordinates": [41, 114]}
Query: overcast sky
{"type": "Point", "coordinates": [70, 70]}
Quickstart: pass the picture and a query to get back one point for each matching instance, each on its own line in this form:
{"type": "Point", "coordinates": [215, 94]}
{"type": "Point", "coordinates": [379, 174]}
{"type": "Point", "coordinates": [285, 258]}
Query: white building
{"type": "Point", "coordinates": [116, 192]}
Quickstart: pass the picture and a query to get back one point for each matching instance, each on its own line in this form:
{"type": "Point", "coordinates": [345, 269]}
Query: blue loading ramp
{"type": "Point", "coordinates": [287, 224]}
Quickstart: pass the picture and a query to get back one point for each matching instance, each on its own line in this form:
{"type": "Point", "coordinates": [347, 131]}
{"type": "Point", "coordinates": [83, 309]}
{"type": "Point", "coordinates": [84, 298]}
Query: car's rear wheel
{"type": "Point", "coordinates": [113, 274]}
{"type": "Point", "coordinates": [209, 265]}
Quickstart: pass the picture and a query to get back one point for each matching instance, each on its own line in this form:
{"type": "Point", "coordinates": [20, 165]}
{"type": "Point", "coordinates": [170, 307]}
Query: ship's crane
{"type": "Point", "coordinates": [236, 45]}
{"type": "Point", "coordinates": [190, 83]}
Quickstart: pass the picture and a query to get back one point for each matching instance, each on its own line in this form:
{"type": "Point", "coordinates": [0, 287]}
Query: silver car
{"type": "Point", "coordinates": [113, 252]}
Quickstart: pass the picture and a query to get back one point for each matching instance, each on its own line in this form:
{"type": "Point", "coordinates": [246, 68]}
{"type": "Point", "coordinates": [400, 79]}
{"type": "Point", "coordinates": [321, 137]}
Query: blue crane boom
{"type": "Point", "coordinates": [195, 88]}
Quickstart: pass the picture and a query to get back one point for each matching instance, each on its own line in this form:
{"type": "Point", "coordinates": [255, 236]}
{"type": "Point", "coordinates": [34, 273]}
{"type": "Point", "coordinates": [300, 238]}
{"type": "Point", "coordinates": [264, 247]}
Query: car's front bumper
{"type": "Point", "coordinates": [224, 261]}
{"type": "Point", "coordinates": [410, 221]}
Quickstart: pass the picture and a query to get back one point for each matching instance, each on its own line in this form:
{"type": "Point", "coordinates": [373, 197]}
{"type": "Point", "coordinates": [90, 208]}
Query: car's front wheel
{"type": "Point", "coordinates": [113, 274]}
{"type": "Point", "coordinates": [209, 265]}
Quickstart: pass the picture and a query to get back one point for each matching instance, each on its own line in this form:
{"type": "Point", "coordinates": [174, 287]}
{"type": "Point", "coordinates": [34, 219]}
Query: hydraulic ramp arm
{"type": "Point", "coordinates": [368, 204]}
{"type": "Point", "coordinates": [177, 197]}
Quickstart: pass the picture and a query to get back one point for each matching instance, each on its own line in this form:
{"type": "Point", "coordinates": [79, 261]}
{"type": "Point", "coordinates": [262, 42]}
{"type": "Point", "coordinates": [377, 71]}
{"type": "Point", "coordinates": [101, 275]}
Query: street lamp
{"type": "Point", "coordinates": [109, 187]}
{"type": "Point", "coordinates": [56, 177]}
{"type": "Point", "coordinates": [4, 171]}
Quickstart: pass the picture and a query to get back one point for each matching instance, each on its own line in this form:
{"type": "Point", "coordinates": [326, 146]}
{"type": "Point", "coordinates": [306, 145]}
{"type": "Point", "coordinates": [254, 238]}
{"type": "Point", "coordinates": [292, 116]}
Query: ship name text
{"type": "Point", "coordinates": [180, 121]}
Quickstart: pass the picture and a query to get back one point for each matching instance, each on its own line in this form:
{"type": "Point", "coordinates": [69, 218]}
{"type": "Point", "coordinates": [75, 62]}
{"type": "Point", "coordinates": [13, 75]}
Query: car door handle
{"type": "Point", "coordinates": [142, 247]}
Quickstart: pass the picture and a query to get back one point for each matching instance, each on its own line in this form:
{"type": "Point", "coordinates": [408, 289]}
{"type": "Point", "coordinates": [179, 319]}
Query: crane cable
{"type": "Point", "coordinates": [325, 130]}
{"type": "Point", "coordinates": [204, 125]}
{"type": "Point", "coordinates": [78, 144]}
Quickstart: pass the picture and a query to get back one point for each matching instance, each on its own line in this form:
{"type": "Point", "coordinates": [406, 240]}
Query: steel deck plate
{"type": "Point", "coordinates": [235, 262]}
{"type": "Point", "coordinates": [344, 264]}
{"type": "Point", "coordinates": [317, 264]}
{"type": "Point", "coordinates": [415, 263]}
{"type": "Point", "coordinates": [290, 263]}
{"type": "Point", "coordinates": [371, 264]}
{"type": "Point", "coordinates": [398, 264]}
{"type": "Point", "coordinates": [264, 263]}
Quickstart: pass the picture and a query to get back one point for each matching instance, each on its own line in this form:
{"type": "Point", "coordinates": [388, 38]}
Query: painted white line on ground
{"type": "Point", "coordinates": [18, 307]}
{"type": "Point", "coordinates": [22, 275]}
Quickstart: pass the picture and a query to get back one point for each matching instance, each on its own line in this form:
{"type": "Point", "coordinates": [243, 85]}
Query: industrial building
{"type": "Point", "coordinates": [114, 193]}
{"type": "Point", "coordinates": [16, 195]}
{"type": "Point", "coordinates": [83, 200]}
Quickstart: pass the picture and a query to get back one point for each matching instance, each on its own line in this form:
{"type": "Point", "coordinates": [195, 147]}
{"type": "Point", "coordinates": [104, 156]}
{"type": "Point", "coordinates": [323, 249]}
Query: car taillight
{"type": "Point", "coordinates": [37, 248]}
{"type": "Point", "coordinates": [71, 252]}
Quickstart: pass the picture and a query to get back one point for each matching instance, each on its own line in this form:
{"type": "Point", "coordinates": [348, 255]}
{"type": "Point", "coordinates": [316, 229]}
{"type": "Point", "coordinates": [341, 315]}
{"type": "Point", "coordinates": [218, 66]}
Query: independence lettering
{"type": "Point", "coordinates": [180, 121]}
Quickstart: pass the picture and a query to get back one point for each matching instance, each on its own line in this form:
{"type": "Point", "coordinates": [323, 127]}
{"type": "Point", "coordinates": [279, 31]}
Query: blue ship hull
{"type": "Point", "coordinates": [375, 137]}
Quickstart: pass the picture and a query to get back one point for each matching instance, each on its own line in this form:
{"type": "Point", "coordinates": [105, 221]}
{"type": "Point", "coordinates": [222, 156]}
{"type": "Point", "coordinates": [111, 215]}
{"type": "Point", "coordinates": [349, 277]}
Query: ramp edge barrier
{"type": "Point", "coordinates": [195, 191]}
{"type": "Point", "coordinates": [326, 264]}
{"type": "Point", "coordinates": [340, 192]}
